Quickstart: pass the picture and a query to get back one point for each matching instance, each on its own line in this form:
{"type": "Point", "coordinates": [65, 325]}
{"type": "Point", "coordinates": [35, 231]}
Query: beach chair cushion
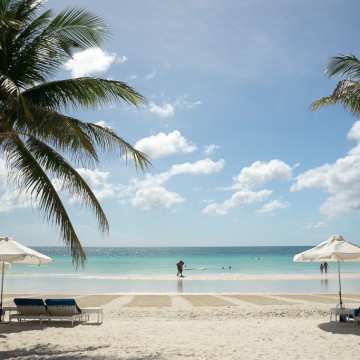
{"type": "Point", "coordinates": [30, 307]}
{"type": "Point", "coordinates": [62, 307]}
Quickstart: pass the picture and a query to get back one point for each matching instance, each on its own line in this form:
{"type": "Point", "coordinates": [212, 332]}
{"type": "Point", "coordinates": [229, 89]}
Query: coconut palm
{"type": "Point", "coordinates": [38, 140]}
{"type": "Point", "coordinates": [347, 92]}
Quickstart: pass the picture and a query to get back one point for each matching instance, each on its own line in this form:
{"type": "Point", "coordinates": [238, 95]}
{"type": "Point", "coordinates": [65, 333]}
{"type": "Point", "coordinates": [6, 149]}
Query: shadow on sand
{"type": "Point", "coordinates": [345, 328]}
{"type": "Point", "coordinates": [49, 352]}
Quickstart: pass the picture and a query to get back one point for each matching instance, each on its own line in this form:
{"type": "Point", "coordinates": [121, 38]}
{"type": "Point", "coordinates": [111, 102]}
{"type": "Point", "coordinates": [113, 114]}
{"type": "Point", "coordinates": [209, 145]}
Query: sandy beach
{"type": "Point", "coordinates": [198, 326]}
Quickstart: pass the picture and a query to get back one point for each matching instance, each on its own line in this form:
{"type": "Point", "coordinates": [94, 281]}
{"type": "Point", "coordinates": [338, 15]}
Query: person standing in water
{"type": "Point", "coordinates": [180, 266]}
{"type": "Point", "coordinates": [325, 267]}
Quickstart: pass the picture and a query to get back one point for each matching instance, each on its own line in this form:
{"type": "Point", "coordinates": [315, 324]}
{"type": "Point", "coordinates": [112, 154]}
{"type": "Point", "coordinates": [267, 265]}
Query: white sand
{"type": "Point", "coordinates": [206, 326]}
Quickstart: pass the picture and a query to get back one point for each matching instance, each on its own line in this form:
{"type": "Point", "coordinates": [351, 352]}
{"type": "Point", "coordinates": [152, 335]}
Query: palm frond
{"type": "Point", "coordinates": [327, 100]}
{"type": "Point", "coordinates": [107, 140]}
{"type": "Point", "coordinates": [34, 181]}
{"type": "Point", "coordinates": [346, 94]}
{"type": "Point", "coordinates": [59, 131]}
{"type": "Point", "coordinates": [343, 65]}
{"type": "Point", "coordinates": [42, 45]}
{"type": "Point", "coordinates": [85, 92]}
{"type": "Point", "coordinates": [8, 88]}
{"type": "Point", "coordinates": [35, 136]}
{"type": "Point", "coordinates": [79, 28]}
{"type": "Point", "coordinates": [73, 183]}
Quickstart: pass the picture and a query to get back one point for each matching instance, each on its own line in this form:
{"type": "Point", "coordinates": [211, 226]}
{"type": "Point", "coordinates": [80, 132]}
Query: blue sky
{"type": "Point", "coordinates": [238, 157]}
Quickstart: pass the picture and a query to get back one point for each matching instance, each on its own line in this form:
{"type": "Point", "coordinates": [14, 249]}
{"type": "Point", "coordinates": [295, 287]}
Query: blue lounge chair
{"type": "Point", "coordinates": [29, 309]}
{"type": "Point", "coordinates": [63, 309]}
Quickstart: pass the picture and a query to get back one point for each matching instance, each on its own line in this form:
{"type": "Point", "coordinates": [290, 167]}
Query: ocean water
{"type": "Point", "coordinates": [153, 269]}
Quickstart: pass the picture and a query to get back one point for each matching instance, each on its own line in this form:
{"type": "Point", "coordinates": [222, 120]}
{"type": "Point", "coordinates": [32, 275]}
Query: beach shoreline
{"type": "Point", "coordinates": [170, 283]}
{"type": "Point", "coordinates": [199, 326]}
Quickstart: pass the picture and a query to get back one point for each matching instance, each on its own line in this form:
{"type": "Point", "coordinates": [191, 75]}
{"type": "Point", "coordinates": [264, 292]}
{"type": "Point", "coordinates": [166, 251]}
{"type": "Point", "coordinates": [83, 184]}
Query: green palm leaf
{"type": "Point", "coordinates": [38, 139]}
{"type": "Point", "coordinates": [346, 92]}
{"type": "Point", "coordinates": [33, 180]}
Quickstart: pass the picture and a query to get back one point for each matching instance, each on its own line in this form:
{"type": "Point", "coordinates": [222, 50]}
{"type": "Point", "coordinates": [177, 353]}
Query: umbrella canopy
{"type": "Point", "coordinates": [12, 251]}
{"type": "Point", "coordinates": [336, 248]}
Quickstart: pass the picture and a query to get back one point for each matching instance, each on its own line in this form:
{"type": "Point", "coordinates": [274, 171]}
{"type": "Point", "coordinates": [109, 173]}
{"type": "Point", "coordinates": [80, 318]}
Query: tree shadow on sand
{"type": "Point", "coordinates": [340, 328]}
{"type": "Point", "coordinates": [48, 352]}
{"type": "Point", "coordinates": [30, 326]}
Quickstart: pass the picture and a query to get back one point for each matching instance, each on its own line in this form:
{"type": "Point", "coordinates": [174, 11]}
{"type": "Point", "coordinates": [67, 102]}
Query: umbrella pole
{"type": "Point", "coordinates": [341, 305]}
{"type": "Point", "coordinates": [2, 287]}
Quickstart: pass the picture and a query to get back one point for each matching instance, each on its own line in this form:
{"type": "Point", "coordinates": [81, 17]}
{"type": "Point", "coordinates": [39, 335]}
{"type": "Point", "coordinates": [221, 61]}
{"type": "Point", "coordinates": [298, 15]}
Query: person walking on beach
{"type": "Point", "coordinates": [321, 268]}
{"type": "Point", "coordinates": [180, 266]}
{"type": "Point", "coordinates": [325, 267]}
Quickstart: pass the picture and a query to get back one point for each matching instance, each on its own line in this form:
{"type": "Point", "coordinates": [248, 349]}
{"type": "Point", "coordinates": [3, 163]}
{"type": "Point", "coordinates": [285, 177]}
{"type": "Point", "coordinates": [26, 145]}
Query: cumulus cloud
{"type": "Point", "coordinates": [243, 197]}
{"type": "Point", "coordinates": [272, 206]}
{"type": "Point", "coordinates": [103, 124]}
{"type": "Point", "coordinates": [162, 145]}
{"type": "Point", "coordinates": [155, 198]}
{"type": "Point", "coordinates": [210, 149]}
{"type": "Point", "coordinates": [340, 179]}
{"type": "Point", "coordinates": [148, 193]}
{"type": "Point", "coordinates": [259, 173]}
{"type": "Point", "coordinates": [167, 109]}
{"type": "Point", "coordinates": [89, 62]}
{"type": "Point", "coordinates": [10, 198]}
{"type": "Point", "coordinates": [205, 166]}
{"type": "Point", "coordinates": [246, 183]}
{"type": "Point", "coordinates": [164, 110]}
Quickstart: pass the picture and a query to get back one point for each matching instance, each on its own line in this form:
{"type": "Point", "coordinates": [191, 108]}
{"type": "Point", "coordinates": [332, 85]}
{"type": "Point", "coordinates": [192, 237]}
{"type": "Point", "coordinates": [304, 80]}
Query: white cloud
{"type": "Point", "coordinates": [162, 145]}
{"type": "Point", "coordinates": [151, 75]}
{"type": "Point", "coordinates": [340, 179]}
{"type": "Point", "coordinates": [182, 102]}
{"type": "Point", "coordinates": [121, 60]}
{"type": "Point", "coordinates": [103, 124]}
{"type": "Point", "coordinates": [94, 178]}
{"type": "Point", "coordinates": [165, 110]}
{"type": "Point", "coordinates": [206, 166]}
{"type": "Point", "coordinates": [209, 149]}
{"type": "Point", "coordinates": [148, 193]}
{"type": "Point", "coordinates": [11, 198]}
{"type": "Point", "coordinates": [89, 62]}
{"type": "Point", "coordinates": [243, 197]}
{"type": "Point", "coordinates": [320, 224]}
{"type": "Point", "coordinates": [259, 173]}
{"type": "Point", "coordinates": [155, 197]}
{"type": "Point", "coordinates": [270, 207]}
{"type": "Point", "coordinates": [250, 178]}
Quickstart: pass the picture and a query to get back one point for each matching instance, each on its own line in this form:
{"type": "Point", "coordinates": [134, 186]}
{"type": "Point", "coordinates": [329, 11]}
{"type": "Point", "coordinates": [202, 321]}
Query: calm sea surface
{"type": "Point", "coordinates": [106, 271]}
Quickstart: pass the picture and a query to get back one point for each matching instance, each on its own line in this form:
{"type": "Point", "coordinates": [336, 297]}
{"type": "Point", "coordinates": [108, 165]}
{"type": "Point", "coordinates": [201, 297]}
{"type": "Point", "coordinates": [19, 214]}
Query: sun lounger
{"type": "Point", "coordinates": [62, 309]}
{"type": "Point", "coordinates": [29, 309]}
{"type": "Point", "coordinates": [50, 309]}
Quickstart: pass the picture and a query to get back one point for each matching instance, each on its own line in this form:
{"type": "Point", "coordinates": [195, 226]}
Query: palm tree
{"type": "Point", "coordinates": [37, 139]}
{"type": "Point", "coordinates": [347, 92]}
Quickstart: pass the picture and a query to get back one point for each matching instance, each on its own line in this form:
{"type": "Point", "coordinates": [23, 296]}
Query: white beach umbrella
{"type": "Point", "coordinates": [12, 251]}
{"type": "Point", "coordinates": [336, 248]}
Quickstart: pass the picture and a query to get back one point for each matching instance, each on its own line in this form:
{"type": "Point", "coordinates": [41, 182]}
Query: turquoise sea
{"type": "Point", "coordinates": [153, 269]}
